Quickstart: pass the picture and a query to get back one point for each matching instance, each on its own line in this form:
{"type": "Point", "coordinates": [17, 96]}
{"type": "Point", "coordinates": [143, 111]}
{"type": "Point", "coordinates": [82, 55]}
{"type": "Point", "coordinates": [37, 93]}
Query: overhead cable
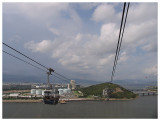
{"type": "Point", "coordinates": [120, 39]}
{"type": "Point", "coordinates": [24, 55]}
{"type": "Point", "coordinates": [31, 64]}
{"type": "Point", "coordinates": [23, 60]}
{"type": "Point", "coordinates": [62, 77]}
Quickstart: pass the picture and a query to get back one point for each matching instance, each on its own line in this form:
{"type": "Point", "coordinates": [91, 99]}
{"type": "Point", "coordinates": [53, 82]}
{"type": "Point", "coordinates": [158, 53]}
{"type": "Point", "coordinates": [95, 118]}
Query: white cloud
{"type": "Point", "coordinates": [88, 6]}
{"type": "Point", "coordinates": [43, 46]}
{"type": "Point", "coordinates": [105, 13]}
{"type": "Point", "coordinates": [142, 12]}
{"type": "Point", "coordinates": [36, 11]}
{"type": "Point", "coordinates": [108, 31]}
{"type": "Point", "coordinates": [151, 47]}
{"type": "Point", "coordinates": [136, 32]}
{"type": "Point", "coordinates": [151, 71]}
{"type": "Point", "coordinates": [55, 31]}
{"type": "Point", "coordinates": [106, 60]}
{"type": "Point", "coordinates": [50, 15]}
{"type": "Point", "coordinates": [15, 38]}
{"type": "Point", "coordinates": [123, 57]}
{"type": "Point", "coordinates": [82, 51]}
{"type": "Point", "coordinates": [93, 53]}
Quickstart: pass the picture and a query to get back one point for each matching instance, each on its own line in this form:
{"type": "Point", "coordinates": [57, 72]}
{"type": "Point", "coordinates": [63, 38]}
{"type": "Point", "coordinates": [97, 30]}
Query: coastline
{"type": "Point", "coordinates": [67, 100]}
{"type": "Point", "coordinates": [22, 101]}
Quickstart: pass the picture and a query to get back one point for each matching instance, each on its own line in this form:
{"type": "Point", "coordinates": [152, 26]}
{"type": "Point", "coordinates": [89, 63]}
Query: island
{"type": "Point", "coordinates": [98, 92]}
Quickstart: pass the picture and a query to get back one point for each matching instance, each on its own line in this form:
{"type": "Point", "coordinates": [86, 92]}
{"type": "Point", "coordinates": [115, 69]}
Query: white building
{"type": "Point", "coordinates": [69, 86]}
{"type": "Point", "coordinates": [64, 91]}
{"type": "Point", "coordinates": [73, 84]}
{"type": "Point", "coordinates": [14, 95]}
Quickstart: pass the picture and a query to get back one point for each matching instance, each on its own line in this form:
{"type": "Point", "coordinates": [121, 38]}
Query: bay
{"type": "Point", "coordinates": [142, 107]}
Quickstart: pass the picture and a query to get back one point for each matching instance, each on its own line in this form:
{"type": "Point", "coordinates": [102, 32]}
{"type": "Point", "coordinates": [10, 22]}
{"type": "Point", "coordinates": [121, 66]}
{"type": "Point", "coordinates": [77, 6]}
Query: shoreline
{"type": "Point", "coordinates": [67, 100]}
{"type": "Point", "coordinates": [22, 101]}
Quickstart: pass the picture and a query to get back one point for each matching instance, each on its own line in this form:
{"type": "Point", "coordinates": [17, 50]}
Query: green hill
{"type": "Point", "coordinates": [116, 91]}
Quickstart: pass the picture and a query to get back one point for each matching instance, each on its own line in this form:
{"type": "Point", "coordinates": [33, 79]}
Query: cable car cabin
{"type": "Point", "coordinates": [51, 97]}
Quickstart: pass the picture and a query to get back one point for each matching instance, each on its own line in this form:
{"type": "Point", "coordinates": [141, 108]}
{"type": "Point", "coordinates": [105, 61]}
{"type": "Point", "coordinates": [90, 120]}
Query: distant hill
{"type": "Point", "coordinates": [85, 83]}
{"type": "Point", "coordinates": [23, 78]}
{"type": "Point", "coordinates": [129, 84]}
{"type": "Point", "coordinates": [135, 84]}
{"type": "Point", "coordinates": [117, 91]}
{"type": "Point", "coordinates": [43, 79]}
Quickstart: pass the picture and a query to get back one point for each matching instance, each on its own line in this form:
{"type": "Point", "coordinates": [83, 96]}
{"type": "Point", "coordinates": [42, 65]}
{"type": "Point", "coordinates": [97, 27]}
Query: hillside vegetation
{"type": "Point", "coordinates": [117, 91]}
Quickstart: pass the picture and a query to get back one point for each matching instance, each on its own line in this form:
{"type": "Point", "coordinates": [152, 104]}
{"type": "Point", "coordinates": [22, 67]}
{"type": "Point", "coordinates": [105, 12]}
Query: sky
{"type": "Point", "coordinates": [78, 40]}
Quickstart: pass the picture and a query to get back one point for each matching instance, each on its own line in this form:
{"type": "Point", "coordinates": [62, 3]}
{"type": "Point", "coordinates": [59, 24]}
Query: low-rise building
{"type": "Point", "coordinates": [13, 95]}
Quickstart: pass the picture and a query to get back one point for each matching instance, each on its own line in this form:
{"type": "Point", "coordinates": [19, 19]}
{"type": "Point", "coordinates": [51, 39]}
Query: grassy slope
{"type": "Point", "coordinates": [98, 89]}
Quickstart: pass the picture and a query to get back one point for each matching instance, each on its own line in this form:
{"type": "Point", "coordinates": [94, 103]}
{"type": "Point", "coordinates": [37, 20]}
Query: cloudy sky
{"type": "Point", "coordinates": [79, 40]}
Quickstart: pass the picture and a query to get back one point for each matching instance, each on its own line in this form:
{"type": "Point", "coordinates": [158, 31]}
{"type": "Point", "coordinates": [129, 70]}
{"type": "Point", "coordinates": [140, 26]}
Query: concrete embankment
{"type": "Point", "coordinates": [22, 101]}
{"type": "Point", "coordinates": [92, 99]}
{"type": "Point", "coordinates": [68, 100]}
